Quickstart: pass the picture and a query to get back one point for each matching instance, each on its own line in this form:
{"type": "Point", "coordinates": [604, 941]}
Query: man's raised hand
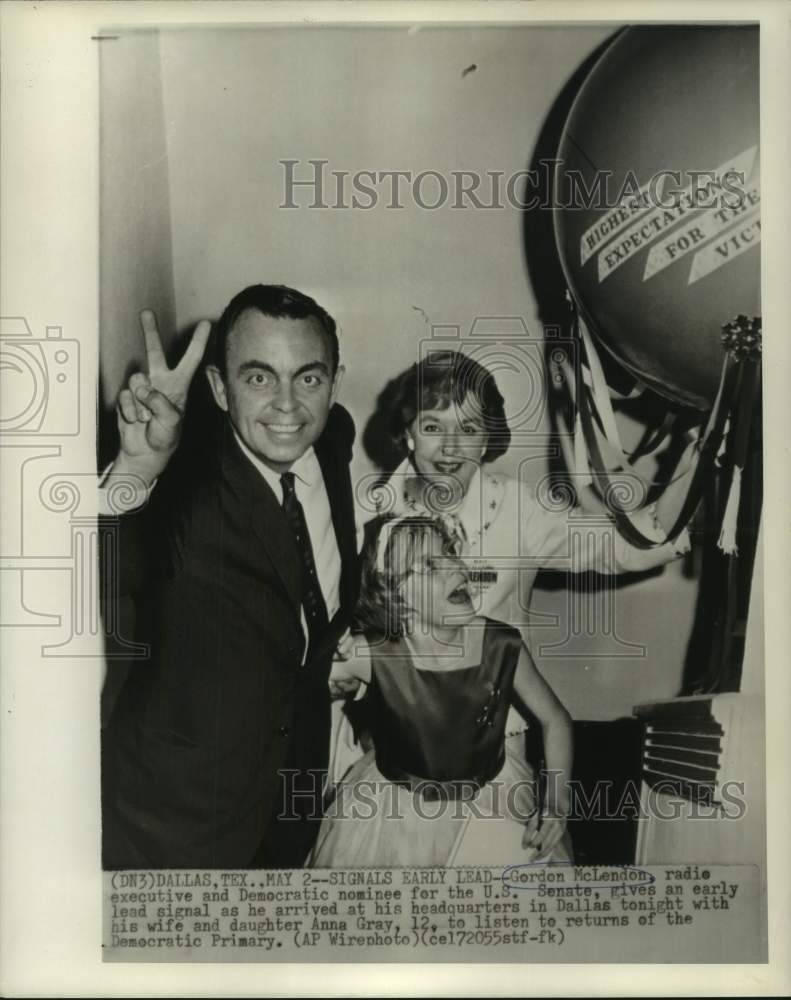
{"type": "Point", "coordinates": [151, 407]}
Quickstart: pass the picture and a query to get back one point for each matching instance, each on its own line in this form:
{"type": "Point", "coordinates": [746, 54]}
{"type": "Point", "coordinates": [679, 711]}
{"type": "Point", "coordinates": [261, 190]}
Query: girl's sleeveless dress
{"type": "Point", "coordinates": [438, 788]}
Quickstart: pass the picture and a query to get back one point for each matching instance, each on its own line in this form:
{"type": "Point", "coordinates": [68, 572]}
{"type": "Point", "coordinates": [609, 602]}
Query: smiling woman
{"type": "Point", "coordinates": [448, 416]}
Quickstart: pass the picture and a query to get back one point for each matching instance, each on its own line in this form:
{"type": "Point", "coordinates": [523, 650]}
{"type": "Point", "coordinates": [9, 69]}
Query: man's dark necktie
{"type": "Point", "coordinates": [312, 597]}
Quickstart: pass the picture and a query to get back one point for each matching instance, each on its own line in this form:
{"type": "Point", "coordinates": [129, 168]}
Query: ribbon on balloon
{"type": "Point", "coordinates": [599, 456]}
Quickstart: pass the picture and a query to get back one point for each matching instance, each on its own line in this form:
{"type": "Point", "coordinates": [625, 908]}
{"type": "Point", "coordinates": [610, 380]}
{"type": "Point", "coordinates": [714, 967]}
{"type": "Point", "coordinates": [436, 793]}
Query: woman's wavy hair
{"type": "Point", "coordinates": [443, 378]}
{"type": "Point", "coordinates": [382, 610]}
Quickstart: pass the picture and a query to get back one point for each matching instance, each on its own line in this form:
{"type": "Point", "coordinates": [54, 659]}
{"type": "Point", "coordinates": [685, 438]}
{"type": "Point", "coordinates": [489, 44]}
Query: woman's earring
{"type": "Point", "coordinates": [410, 444]}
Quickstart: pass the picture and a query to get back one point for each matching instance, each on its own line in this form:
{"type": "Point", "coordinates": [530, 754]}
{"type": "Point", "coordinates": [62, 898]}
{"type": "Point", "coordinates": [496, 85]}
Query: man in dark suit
{"type": "Point", "coordinates": [243, 567]}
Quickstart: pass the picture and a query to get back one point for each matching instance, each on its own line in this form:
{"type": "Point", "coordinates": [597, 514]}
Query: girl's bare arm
{"type": "Point", "coordinates": [533, 690]}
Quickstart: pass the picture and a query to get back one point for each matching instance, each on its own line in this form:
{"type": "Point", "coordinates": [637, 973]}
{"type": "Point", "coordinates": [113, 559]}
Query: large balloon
{"type": "Point", "coordinates": [658, 236]}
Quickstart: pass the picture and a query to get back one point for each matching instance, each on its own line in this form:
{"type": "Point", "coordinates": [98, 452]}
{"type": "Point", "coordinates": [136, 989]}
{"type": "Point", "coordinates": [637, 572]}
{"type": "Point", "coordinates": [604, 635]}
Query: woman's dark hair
{"type": "Point", "coordinates": [443, 378]}
{"type": "Point", "coordinates": [381, 609]}
{"type": "Point", "coordinates": [279, 302]}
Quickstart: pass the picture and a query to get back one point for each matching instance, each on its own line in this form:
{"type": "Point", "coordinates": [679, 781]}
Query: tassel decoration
{"type": "Point", "coordinates": [727, 539]}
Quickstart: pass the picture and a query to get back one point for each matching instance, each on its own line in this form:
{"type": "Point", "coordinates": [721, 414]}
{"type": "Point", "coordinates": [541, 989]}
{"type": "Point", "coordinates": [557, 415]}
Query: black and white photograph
{"type": "Point", "coordinates": [426, 393]}
{"type": "Point", "coordinates": [418, 541]}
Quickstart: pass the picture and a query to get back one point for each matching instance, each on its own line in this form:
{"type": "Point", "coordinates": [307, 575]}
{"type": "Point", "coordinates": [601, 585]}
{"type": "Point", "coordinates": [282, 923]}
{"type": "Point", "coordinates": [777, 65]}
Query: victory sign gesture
{"type": "Point", "coordinates": [151, 407]}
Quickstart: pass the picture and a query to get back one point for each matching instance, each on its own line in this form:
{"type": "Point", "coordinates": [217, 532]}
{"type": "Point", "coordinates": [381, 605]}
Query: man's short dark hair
{"type": "Point", "coordinates": [279, 302]}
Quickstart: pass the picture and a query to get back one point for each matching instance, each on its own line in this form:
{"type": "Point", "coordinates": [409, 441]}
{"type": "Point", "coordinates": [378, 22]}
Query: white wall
{"type": "Point", "coordinates": [238, 101]}
{"type": "Point", "coordinates": [136, 269]}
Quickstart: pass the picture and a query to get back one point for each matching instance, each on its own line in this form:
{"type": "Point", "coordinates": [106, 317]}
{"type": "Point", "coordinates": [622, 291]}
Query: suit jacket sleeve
{"type": "Point", "coordinates": [140, 544]}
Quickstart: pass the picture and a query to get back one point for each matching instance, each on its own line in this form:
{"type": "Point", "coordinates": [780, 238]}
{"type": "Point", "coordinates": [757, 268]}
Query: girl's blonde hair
{"type": "Point", "coordinates": [392, 546]}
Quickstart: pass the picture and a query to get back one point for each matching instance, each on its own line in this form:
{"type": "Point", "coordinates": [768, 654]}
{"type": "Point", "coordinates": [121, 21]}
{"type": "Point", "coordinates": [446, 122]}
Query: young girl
{"type": "Point", "coordinates": [438, 787]}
